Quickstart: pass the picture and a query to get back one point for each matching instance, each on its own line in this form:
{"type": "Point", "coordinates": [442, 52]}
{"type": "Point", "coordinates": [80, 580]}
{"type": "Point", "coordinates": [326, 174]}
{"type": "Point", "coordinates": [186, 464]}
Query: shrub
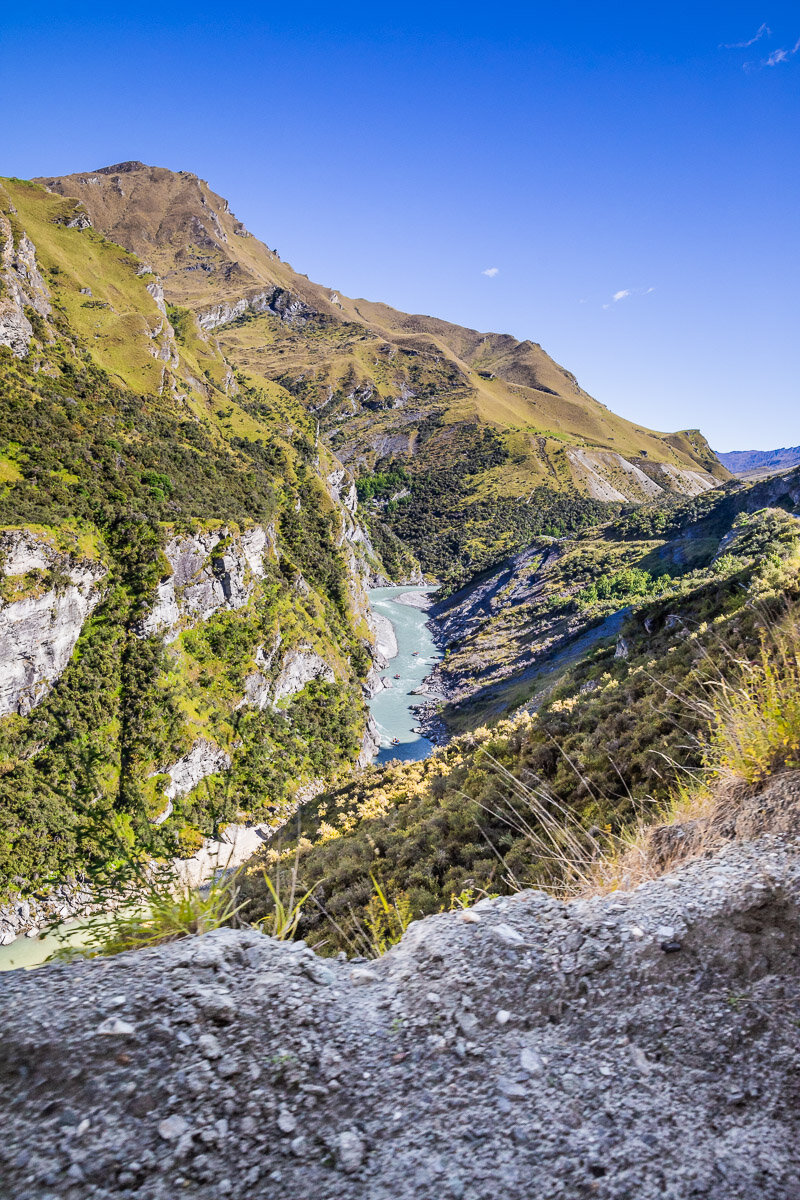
{"type": "Point", "coordinates": [757, 715]}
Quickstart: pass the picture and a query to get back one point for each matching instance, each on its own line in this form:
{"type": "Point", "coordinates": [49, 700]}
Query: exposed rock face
{"type": "Point", "coordinates": [289, 308]}
{"type": "Point", "coordinates": [203, 759]}
{"type": "Point", "coordinates": [298, 668]}
{"type": "Point", "coordinates": [157, 292]}
{"type": "Point", "coordinates": [24, 287]}
{"type": "Point", "coordinates": [29, 915]}
{"type": "Point", "coordinates": [682, 480]}
{"type": "Point", "coordinates": [257, 686]}
{"type": "Point", "coordinates": [38, 632]}
{"type": "Point", "coordinates": [207, 577]}
{"type": "Point", "coordinates": [608, 476]}
{"type": "Point", "coordinates": [385, 637]}
{"type": "Point", "coordinates": [637, 1045]}
{"type": "Point", "coordinates": [370, 743]}
{"type": "Point", "coordinates": [343, 490]}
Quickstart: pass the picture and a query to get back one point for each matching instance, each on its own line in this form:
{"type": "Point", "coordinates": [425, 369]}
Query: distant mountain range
{"type": "Point", "coordinates": [754, 464]}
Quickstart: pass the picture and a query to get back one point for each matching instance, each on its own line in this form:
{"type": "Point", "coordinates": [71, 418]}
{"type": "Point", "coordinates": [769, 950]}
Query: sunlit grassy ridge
{"type": "Point", "coordinates": [384, 384]}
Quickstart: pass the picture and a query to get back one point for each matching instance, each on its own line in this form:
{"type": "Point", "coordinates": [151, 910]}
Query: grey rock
{"type": "Point", "coordinates": [287, 1123]}
{"type": "Point", "coordinates": [172, 1128]}
{"type": "Point", "coordinates": [39, 632]}
{"type": "Point", "coordinates": [209, 1046]}
{"type": "Point", "coordinates": [660, 1076]}
{"type": "Point", "coordinates": [115, 1027]}
{"type": "Point", "coordinates": [531, 1062]}
{"type": "Point", "coordinates": [351, 1150]}
{"type": "Point", "coordinates": [508, 935]}
{"type": "Point", "coordinates": [299, 667]}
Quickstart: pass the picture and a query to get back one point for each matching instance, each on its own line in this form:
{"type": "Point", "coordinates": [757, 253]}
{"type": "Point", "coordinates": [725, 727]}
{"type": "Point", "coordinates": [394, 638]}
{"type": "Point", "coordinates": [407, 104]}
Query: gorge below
{"type": "Point", "coordinates": [395, 706]}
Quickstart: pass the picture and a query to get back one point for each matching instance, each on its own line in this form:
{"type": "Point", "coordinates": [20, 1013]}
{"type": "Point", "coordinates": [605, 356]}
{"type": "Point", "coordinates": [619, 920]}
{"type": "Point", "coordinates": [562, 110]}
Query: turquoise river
{"type": "Point", "coordinates": [417, 655]}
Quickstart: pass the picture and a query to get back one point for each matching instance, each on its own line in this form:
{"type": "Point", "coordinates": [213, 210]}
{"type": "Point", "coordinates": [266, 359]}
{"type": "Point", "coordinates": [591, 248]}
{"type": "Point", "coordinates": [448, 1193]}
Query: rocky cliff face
{"type": "Point", "coordinates": [277, 301]}
{"type": "Point", "coordinates": [21, 287]}
{"type": "Point", "coordinates": [211, 571]}
{"type": "Point", "coordinates": [640, 1044]}
{"type": "Point", "coordinates": [606, 475]}
{"type": "Point", "coordinates": [298, 668]}
{"type": "Point", "coordinates": [39, 630]}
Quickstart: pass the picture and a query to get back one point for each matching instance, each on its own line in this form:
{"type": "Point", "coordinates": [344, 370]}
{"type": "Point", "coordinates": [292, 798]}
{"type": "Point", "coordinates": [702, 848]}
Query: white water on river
{"type": "Point", "coordinates": [391, 708]}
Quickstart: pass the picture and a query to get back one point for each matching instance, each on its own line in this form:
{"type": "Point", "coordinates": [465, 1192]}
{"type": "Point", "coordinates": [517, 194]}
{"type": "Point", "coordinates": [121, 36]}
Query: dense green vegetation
{"type": "Point", "coordinates": [109, 475]}
{"type": "Point", "coordinates": [606, 746]}
{"type": "Point", "coordinates": [455, 529]}
{"type": "Point", "coordinates": [120, 433]}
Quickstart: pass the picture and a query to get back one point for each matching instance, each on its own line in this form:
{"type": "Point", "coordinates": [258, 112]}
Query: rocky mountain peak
{"type": "Point", "coordinates": [123, 168]}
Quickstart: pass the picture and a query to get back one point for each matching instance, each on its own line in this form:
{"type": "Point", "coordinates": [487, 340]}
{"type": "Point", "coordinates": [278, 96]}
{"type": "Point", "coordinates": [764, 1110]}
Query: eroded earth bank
{"type": "Point", "coordinates": [639, 1045]}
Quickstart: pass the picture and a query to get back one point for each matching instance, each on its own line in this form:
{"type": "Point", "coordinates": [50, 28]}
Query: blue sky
{"type": "Point", "coordinates": [616, 182]}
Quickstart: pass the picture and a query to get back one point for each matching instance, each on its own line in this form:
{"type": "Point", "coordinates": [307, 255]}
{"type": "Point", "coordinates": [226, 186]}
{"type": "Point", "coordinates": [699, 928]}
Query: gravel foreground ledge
{"type": "Point", "coordinates": [638, 1045]}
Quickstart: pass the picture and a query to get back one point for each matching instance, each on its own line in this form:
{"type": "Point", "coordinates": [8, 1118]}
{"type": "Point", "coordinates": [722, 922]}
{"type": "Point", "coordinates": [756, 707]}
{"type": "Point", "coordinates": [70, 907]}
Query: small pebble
{"type": "Point", "coordinates": [287, 1123]}
{"type": "Point", "coordinates": [209, 1046]}
{"type": "Point", "coordinates": [351, 1151]}
{"type": "Point", "coordinates": [362, 975]}
{"type": "Point", "coordinates": [114, 1027]}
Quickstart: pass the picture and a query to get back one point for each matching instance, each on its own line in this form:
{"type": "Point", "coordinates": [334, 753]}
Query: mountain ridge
{"type": "Point", "coordinates": [372, 398]}
{"type": "Point", "coordinates": [755, 464]}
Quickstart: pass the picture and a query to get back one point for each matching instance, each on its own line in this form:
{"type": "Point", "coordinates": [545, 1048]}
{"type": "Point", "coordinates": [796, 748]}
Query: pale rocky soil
{"type": "Point", "coordinates": [642, 1045]}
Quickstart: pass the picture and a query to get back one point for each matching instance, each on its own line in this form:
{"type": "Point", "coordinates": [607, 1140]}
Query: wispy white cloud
{"type": "Point", "coordinates": [762, 31]}
{"type": "Point", "coordinates": [626, 293]}
{"type": "Point", "coordinates": [491, 272]}
{"type": "Point", "coordinates": [781, 55]}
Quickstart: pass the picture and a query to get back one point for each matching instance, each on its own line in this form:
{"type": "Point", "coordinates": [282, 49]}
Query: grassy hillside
{"type": "Point", "coordinates": [123, 431]}
{"type": "Point", "coordinates": [509, 633]}
{"type": "Point", "coordinates": [385, 385]}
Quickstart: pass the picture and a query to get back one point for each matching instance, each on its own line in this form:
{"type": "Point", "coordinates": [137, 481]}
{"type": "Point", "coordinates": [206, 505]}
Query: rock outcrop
{"type": "Point", "coordinates": [21, 287]}
{"type": "Point", "coordinates": [299, 667]}
{"type": "Point", "coordinates": [606, 475]}
{"type": "Point", "coordinates": [31, 915]}
{"type": "Point", "coordinates": [203, 759]}
{"type": "Point", "coordinates": [370, 743]}
{"type": "Point", "coordinates": [210, 571]}
{"type": "Point", "coordinates": [385, 637]}
{"type": "Point", "coordinates": [637, 1045]}
{"type": "Point", "coordinates": [39, 630]}
{"type": "Point", "coordinates": [283, 304]}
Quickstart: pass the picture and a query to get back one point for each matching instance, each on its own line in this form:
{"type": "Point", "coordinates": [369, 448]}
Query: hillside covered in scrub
{"type": "Point", "coordinates": [205, 459]}
{"type": "Point", "coordinates": [496, 441]}
{"type": "Point", "coordinates": [571, 930]}
{"type": "Point", "coordinates": [599, 743]}
{"type": "Point", "coordinates": [184, 628]}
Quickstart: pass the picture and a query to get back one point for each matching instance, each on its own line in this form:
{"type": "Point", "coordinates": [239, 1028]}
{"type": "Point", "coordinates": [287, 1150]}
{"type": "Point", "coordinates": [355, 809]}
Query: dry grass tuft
{"type": "Point", "coordinates": [754, 736]}
{"type": "Point", "coordinates": [753, 712]}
